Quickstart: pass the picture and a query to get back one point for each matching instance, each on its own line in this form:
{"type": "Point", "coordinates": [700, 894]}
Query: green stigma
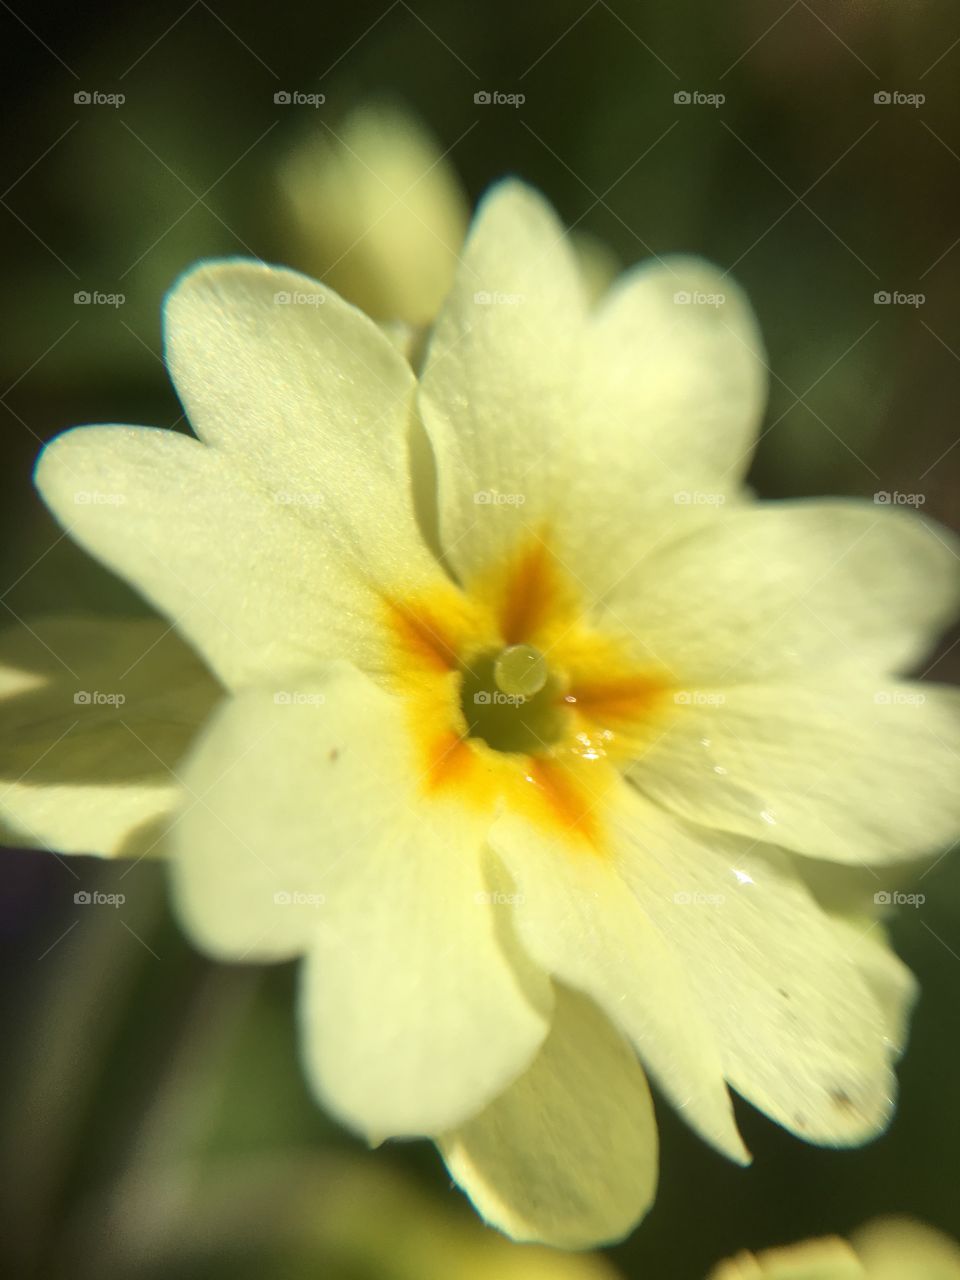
{"type": "Point", "coordinates": [520, 670]}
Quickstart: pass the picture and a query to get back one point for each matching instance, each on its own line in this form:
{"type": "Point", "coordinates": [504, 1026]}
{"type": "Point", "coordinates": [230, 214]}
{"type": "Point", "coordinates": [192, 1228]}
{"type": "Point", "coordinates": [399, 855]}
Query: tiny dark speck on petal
{"type": "Point", "coordinates": [841, 1099]}
{"type": "Point", "coordinates": [334, 754]}
{"type": "Point", "coordinates": [800, 1121]}
{"type": "Point", "coordinates": [782, 992]}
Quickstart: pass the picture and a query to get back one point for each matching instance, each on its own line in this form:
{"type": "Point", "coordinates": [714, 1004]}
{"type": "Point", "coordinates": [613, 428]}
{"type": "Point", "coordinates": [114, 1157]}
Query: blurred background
{"type": "Point", "coordinates": [154, 1121]}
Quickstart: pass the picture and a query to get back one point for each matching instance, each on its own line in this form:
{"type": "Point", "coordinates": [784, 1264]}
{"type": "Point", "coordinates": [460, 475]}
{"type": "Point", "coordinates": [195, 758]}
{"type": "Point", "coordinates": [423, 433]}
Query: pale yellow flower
{"type": "Point", "coordinates": [890, 1249]}
{"type": "Point", "coordinates": [533, 787]}
{"type": "Point", "coordinates": [375, 209]}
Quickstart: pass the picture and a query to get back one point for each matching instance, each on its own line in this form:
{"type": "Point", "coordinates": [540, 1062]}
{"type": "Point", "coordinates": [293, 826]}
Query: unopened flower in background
{"type": "Point", "coordinates": [532, 785]}
{"type": "Point", "coordinates": [374, 207]}
{"type": "Point", "coordinates": [377, 210]}
{"type": "Point", "coordinates": [889, 1249]}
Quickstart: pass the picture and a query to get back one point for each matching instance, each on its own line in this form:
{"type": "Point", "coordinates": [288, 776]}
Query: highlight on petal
{"type": "Point", "coordinates": [98, 714]}
{"type": "Point", "coordinates": [538, 408]}
{"type": "Point", "coordinates": [268, 548]}
{"type": "Point", "coordinates": [567, 1154]}
{"type": "Point", "coordinates": [498, 392]}
{"type": "Point", "coordinates": [858, 771]}
{"type": "Point", "coordinates": [310, 835]}
{"type": "Point", "coordinates": [234, 570]}
{"type": "Point", "coordinates": [783, 589]}
{"type": "Point", "coordinates": [679, 377]}
{"type": "Point", "coordinates": [792, 1001]}
{"type": "Point", "coordinates": [580, 923]}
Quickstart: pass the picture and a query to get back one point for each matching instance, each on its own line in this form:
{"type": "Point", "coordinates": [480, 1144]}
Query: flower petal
{"type": "Point", "coordinates": [536, 408]}
{"type": "Point", "coordinates": [800, 1031]}
{"type": "Point", "coordinates": [828, 1259]}
{"type": "Point", "coordinates": [679, 378]}
{"type": "Point", "coordinates": [568, 1154]}
{"type": "Point", "coordinates": [98, 713]}
{"type": "Point", "coordinates": [309, 397]}
{"type": "Point", "coordinates": [781, 588]}
{"type": "Point", "coordinates": [380, 213]}
{"type": "Point", "coordinates": [854, 772]}
{"type": "Point", "coordinates": [311, 832]}
{"type": "Point", "coordinates": [579, 922]}
{"type": "Point", "coordinates": [499, 376]}
{"type": "Point", "coordinates": [268, 549]}
{"type": "Point", "coordinates": [894, 987]}
{"type": "Point", "coordinates": [891, 1248]}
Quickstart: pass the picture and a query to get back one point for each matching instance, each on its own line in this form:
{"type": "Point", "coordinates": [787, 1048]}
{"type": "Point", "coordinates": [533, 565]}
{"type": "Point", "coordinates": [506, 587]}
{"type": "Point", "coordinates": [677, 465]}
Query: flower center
{"type": "Point", "coordinates": [521, 670]}
{"type": "Point", "coordinates": [512, 701]}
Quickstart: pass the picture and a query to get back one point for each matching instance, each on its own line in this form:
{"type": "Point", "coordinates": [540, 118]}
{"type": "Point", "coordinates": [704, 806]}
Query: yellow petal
{"type": "Point", "coordinates": [568, 1154]}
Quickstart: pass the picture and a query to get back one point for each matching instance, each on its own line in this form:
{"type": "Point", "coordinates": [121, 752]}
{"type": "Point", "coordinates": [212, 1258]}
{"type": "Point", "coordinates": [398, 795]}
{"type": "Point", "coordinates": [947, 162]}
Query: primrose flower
{"type": "Point", "coordinates": [376, 210]}
{"type": "Point", "coordinates": [527, 747]}
{"type": "Point", "coordinates": [889, 1249]}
